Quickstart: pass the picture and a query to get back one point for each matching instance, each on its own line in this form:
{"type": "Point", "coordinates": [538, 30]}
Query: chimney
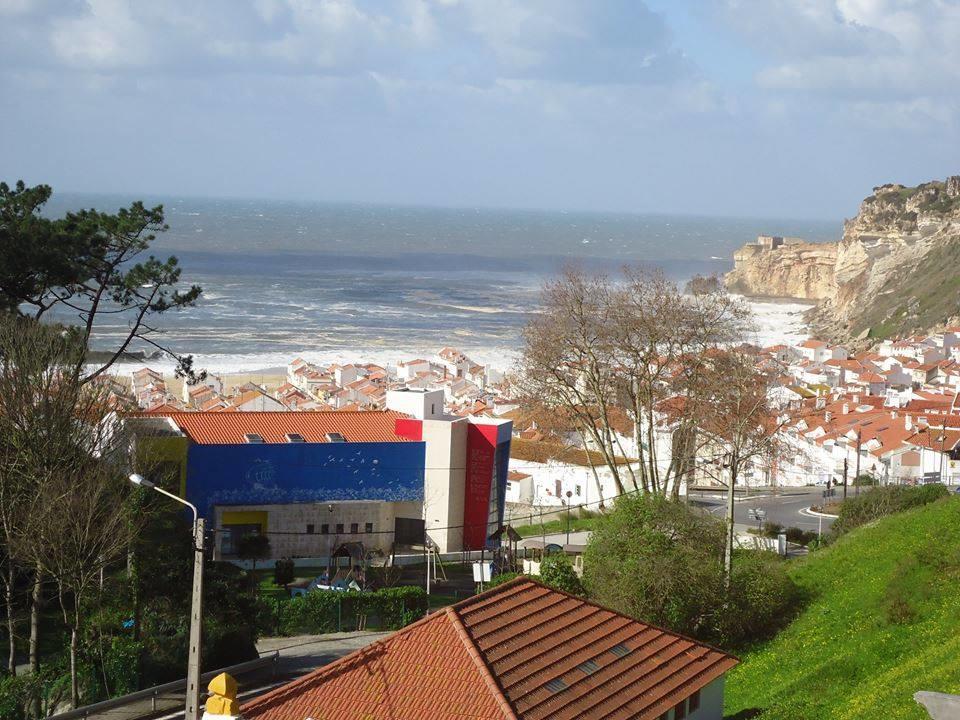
{"type": "Point", "coordinates": [908, 422]}
{"type": "Point", "coordinates": [222, 703]}
{"type": "Point", "coordinates": [845, 410]}
{"type": "Point", "coordinates": [827, 416]}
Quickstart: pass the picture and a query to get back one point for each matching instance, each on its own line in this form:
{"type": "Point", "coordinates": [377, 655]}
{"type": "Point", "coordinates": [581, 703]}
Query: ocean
{"type": "Point", "coordinates": [338, 282]}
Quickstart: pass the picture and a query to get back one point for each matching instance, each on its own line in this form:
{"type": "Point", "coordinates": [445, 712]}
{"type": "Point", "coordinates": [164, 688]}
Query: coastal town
{"type": "Point", "coordinates": [472, 360]}
{"type": "Point", "coordinates": [888, 413]}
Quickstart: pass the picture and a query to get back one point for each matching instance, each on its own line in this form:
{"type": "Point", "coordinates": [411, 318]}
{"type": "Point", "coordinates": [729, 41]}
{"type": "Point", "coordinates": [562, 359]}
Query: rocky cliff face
{"type": "Point", "coordinates": [801, 270]}
{"type": "Point", "coordinates": [896, 269]}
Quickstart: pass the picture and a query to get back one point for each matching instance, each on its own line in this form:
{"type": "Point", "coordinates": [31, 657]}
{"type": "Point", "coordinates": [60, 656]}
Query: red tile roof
{"type": "Point", "coordinates": [215, 428]}
{"type": "Point", "coordinates": [521, 650]}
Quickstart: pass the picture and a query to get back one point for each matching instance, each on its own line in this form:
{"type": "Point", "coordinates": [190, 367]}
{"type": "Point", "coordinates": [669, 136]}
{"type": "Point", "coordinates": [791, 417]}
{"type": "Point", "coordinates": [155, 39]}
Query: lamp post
{"type": "Point", "coordinates": [567, 503]}
{"type": "Point", "coordinates": [192, 703]}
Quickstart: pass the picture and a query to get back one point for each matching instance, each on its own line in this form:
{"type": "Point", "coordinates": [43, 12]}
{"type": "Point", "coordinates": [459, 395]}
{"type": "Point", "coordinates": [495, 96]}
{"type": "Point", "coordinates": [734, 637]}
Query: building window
{"type": "Point", "coordinates": [354, 528]}
{"type": "Point", "coordinates": [309, 529]}
{"type": "Point", "coordinates": [324, 529]}
{"type": "Point", "coordinates": [368, 528]}
{"type": "Point", "coordinates": [680, 710]}
{"type": "Point", "coordinates": [577, 491]}
{"type": "Point", "coordinates": [339, 528]}
{"type": "Point", "coordinates": [693, 703]}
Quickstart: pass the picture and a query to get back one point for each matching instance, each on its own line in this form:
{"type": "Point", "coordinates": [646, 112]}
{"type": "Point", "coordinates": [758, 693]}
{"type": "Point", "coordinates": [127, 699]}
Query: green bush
{"type": "Point", "coordinates": [762, 599]}
{"type": "Point", "coordinates": [557, 572]}
{"type": "Point", "coordinates": [772, 529]}
{"type": "Point", "coordinates": [502, 578]}
{"type": "Point", "coordinates": [325, 611]}
{"type": "Point", "coordinates": [882, 501]}
{"type": "Point", "coordinates": [661, 561]}
{"type": "Point", "coordinates": [800, 536]}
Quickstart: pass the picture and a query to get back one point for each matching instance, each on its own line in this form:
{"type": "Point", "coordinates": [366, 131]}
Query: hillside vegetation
{"type": "Point", "coordinates": [883, 621]}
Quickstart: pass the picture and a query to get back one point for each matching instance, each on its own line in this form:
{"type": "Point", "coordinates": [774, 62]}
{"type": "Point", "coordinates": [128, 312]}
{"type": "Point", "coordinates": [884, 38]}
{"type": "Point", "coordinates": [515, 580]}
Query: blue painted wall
{"type": "Point", "coordinates": [247, 474]}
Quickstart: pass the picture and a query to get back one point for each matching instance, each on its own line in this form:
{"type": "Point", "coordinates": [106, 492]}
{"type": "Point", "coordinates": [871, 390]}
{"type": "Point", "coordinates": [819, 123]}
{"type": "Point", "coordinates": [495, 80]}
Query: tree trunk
{"type": "Point", "coordinates": [74, 690]}
{"type": "Point", "coordinates": [728, 551]}
{"type": "Point", "coordinates": [36, 604]}
{"type": "Point", "coordinates": [11, 620]}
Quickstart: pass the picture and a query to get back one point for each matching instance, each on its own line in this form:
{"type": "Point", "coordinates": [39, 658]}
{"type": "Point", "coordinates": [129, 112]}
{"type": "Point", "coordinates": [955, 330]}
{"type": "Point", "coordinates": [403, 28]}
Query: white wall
{"type": "Point", "coordinates": [417, 403]}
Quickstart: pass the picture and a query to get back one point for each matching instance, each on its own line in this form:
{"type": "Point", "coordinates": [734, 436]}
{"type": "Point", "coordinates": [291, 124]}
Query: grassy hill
{"type": "Point", "coordinates": [883, 621]}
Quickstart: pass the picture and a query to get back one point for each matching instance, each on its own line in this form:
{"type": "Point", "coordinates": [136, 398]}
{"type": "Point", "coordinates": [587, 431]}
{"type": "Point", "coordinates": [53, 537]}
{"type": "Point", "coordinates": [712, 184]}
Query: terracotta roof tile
{"type": "Point", "coordinates": [525, 651]}
{"type": "Point", "coordinates": [214, 428]}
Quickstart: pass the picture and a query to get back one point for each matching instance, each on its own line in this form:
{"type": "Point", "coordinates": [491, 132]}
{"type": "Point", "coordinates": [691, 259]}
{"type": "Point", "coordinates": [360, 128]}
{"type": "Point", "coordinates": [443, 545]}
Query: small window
{"type": "Point", "coordinates": [339, 528]}
{"type": "Point", "coordinates": [354, 528]}
{"type": "Point", "coordinates": [693, 702]}
{"type": "Point", "coordinates": [577, 491]}
{"type": "Point", "coordinates": [335, 437]}
{"type": "Point", "coordinates": [309, 529]}
{"type": "Point", "coordinates": [556, 685]}
{"type": "Point", "coordinates": [680, 710]}
{"type": "Point", "coordinates": [620, 650]}
{"type": "Point", "coordinates": [368, 528]}
{"type": "Point", "coordinates": [253, 439]}
{"type": "Point", "coordinates": [324, 529]}
{"type": "Point", "coordinates": [294, 438]}
{"type": "Point", "coordinates": [589, 667]}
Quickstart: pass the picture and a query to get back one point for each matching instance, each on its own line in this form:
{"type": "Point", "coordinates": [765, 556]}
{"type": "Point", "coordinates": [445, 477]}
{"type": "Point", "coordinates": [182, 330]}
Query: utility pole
{"type": "Point", "coordinates": [196, 626]}
{"type": "Point", "coordinates": [845, 463]}
{"type": "Point", "coordinates": [856, 478]}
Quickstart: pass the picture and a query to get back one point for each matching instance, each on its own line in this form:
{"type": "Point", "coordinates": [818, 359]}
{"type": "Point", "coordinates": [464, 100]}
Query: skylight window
{"type": "Point", "coordinates": [335, 437]}
{"type": "Point", "coordinates": [556, 685]}
{"type": "Point", "coordinates": [253, 439]}
{"type": "Point", "coordinates": [294, 438]}
{"type": "Point", "coordinates": [589, 667]}
{"type": "Point", "coordinates": [620, 650]}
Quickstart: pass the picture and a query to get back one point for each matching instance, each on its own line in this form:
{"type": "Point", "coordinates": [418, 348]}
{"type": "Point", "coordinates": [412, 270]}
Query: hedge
{"type": "Point", "coordinates": [324, 611]}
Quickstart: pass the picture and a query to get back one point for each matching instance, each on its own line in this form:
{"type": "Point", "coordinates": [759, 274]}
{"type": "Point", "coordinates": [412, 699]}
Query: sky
{"type": "Point", "coordinates": [766, 108]}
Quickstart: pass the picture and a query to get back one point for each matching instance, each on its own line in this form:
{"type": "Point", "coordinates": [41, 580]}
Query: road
{"type": "Point", "coordinates": [786, 506]}
{"type": "Point", "coordinates": [298, 656]}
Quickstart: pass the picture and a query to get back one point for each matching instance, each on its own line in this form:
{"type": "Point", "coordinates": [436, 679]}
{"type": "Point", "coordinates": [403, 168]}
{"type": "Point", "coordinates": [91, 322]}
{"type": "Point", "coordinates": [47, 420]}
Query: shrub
{"type": "Point", "coordinates": [658, 561]}
{"type": "Point", "coordinates": [772, 529]}
{"type": "Point", "coordinates": [762, 599]}
{"type": "Point", "coordinates": [283, 572]}
{"type": "Point", "coordinates": [800, 536]}
{"type": "Point", "coordinates": [502, 578]}
{"type": "Point", "coordinates": [557, 572]}
{"type": "Point", "coordinates": [661, 562]}
{"type": "Point", "coordinates": [324, 611]}
{"type": "Point", "coordinates": [881, 501]}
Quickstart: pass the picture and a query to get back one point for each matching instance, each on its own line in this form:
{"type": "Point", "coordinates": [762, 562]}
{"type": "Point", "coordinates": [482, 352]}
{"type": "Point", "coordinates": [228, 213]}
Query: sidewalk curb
{"type": "Point", "coordinates": [811, 511]}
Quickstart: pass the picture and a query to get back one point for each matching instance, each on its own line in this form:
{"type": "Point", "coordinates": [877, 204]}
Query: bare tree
{"type": "Point", "coordinates": [739, 428]}
{"type": "Point", "coordinates": [78, 527]}
{"type": "Point", "coordinates": [604, 348]}
{"type": "Point", "coordinates": [60, 467]}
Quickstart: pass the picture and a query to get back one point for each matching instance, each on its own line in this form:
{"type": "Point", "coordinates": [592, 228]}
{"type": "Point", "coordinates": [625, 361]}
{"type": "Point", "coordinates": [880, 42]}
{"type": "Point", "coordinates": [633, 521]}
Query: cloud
{"type": "Point", "coordinates": [855, 50]}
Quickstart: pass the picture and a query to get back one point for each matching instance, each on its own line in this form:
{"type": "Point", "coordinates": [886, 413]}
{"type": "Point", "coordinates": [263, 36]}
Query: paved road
{"type": "Point", "coordinates": [786, 506]}
{"type": "Point", "coordinates": [298, 656]}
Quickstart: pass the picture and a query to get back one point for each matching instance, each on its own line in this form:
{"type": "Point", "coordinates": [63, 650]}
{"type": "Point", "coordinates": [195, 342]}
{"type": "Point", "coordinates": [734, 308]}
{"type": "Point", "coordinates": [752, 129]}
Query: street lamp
{"type": "Point", "coordinates": [567, 503]}
{"type": "Point", "coordinates": [192, 703]}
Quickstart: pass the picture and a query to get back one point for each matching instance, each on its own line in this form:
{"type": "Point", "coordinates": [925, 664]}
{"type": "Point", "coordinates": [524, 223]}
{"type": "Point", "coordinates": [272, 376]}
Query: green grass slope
{"type": "Point", "coordinates": [882, 622]}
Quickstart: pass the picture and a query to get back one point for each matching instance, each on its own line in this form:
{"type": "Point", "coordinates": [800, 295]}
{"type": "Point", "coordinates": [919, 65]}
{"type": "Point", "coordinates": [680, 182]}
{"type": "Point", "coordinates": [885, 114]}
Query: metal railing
{"type": "Point", "coordinates": [162, 697]}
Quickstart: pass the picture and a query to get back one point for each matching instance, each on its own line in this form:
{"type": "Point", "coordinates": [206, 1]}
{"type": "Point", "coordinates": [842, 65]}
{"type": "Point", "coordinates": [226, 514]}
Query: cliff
{"type": "Point", "coordinates": [804, 271]}
{"type": "Point", "coordinates": [896, 269]}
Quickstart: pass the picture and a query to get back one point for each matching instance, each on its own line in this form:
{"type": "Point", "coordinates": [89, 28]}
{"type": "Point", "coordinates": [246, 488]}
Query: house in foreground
{"type": "Point", "coordinates": [520, 651]}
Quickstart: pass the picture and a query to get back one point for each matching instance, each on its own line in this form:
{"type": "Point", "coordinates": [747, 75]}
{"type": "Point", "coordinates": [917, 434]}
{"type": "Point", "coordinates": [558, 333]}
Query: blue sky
{"type": "Point", "coordinates": [736, 107]}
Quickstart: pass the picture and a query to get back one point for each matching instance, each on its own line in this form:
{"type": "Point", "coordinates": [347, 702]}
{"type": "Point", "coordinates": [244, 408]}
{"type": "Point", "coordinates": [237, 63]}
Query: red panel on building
{"type": "Point", "coordinates": [481, 453]}
{"type": "Point", "coordinates": [409, 429]}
